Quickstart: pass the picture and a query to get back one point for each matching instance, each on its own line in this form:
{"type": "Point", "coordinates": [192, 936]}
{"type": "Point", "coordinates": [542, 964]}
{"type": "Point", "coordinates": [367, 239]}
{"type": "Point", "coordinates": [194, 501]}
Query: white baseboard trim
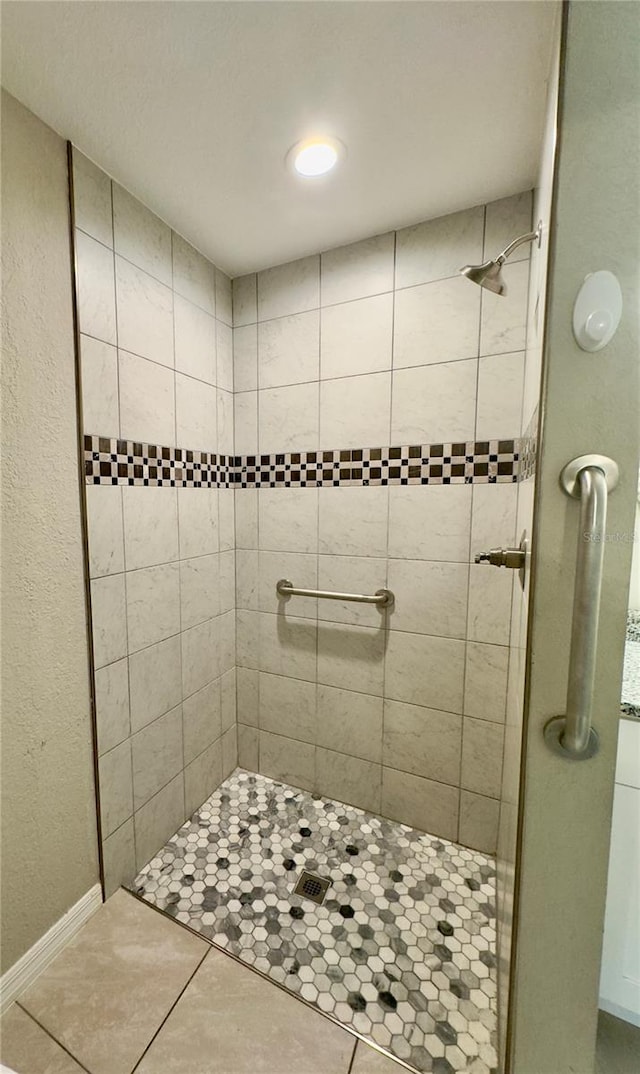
{"type": "Point", "coordinates": [37, 958]}
{"type": "Point", "coordinates": [624, 1013]}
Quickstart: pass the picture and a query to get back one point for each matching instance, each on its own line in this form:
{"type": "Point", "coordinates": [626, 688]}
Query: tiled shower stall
{"type": "Point", "coordinates": [349, 421]}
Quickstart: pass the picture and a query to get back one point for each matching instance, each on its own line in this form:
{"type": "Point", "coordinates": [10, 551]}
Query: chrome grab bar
{"type": "Point", "coordinates": [589, 478]}
{"type": "Point", "coordinates": [384, 598]}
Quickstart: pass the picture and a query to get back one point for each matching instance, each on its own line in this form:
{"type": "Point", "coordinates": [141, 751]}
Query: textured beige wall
{"type": "Point", "coordinates": [49, 847]}
{"type": "Point", "coordinates": [591, 404]}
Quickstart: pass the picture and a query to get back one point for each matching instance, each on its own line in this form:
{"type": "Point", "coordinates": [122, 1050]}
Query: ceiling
{"type": "Point", "coordinates": [193, 106]}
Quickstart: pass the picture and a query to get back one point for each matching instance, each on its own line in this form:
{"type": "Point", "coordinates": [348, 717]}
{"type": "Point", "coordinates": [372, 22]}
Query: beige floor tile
{"type": "Point", "coordinates": [231, 1021]}
{"type": "Point", "coordinates": [369, 1061]}
{"type": "Point", "coordinates": [27, 1049]}
{"type": "Point", "coordinates": [106, 994]}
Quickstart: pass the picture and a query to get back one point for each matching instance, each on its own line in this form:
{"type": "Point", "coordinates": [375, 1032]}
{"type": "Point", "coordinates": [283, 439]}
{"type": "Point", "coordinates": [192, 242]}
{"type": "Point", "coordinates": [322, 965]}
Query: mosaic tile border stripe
{"type": "Point", "coordinates": [110, 461]}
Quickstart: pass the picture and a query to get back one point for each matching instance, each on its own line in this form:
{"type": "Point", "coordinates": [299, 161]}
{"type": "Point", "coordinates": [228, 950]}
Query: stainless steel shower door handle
{"type": "Point", "coordinates": [589, 478]}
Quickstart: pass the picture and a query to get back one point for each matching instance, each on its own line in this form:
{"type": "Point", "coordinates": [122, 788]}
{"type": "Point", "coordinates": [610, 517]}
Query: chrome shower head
{"type": "Point", "coordinates": [489, 273]}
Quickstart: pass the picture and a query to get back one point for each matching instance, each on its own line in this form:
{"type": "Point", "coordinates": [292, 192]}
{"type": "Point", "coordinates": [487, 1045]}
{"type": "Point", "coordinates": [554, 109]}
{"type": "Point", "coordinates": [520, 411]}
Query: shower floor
{"type": "Point", "coordinates": [401, 951]}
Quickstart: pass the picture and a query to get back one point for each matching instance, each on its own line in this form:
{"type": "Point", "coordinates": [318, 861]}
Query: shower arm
{"type": "Point", "coordinates": [531, 236]}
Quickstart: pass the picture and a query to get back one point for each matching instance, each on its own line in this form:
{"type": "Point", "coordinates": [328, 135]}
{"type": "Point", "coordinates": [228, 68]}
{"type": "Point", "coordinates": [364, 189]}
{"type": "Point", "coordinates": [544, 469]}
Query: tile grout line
{"type": "Point", "coordinates": [51, 1036]}
{"type": "Point", "coordinates": [169, 1012]}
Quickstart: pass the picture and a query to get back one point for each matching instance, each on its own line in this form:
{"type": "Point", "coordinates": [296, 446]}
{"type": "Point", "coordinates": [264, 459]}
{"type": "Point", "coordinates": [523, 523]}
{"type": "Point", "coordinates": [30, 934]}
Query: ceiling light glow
{"type": "Point", "coordinates": [315, 158]}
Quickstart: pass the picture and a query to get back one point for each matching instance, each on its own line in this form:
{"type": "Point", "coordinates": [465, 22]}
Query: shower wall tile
{"type": "Point", "coordinates": [505, 221]}
{"type": "Point", "coordinates": [288, 520]}
{"type": "Point", "coordinates": [204, 771]}
{"type": "Point", "coordinates": [425, 670]}
{"type": "Point", "coordinates": [500, 385]}
{"type": "Point", "coordinates": [485, 681]}
{"type": "Point", "coordinates": [196, 414]}
{"type": "Point", "coordinates": [349, 779]}
{"type": "Point", "coordinates": [193, 275]}
{"type": "Point", "coordinates": [202, 723]}
{"type": "Point", "coordinates": [346, 574]}
{"type": "Point", "coordinates": [295, 566]}
{"type": "Point", "coordinates": [247, 680]}
{"type": "Point", "coordinates": [436, 322]}
{"type": "Point", "coordinates": [422, 741]}
{"type": "Point", "coordinates": [287, 707]}
{"type": "Point", "coordinates": [116, 790]}
{"type": "Point", "coordinates": [247, 580]}
{"type": "Point", "coordinates": [157, 369]}
{"type": "Point", "coordinates": [356, 337]}
{"type": "Point", "coordinates": [199, 590]}
{"type": "Point", "coordinates": [245, 411]}
{"type": "Point", "coordinates": [248, 748]}
{"type": "Point", "coordinates": [140, 236]}
{"type": "Point", "coordinates": [288, 350]}
{"type": "Point", "coordinates": [96, 289]}
{"type": "Point", "coordinates": [351, 657]}
{"type": "Point", "coordinates": [478, 822]}
{"type": "Point", "coordinates": [430, 523]}
{"type": "Point", "coordinates": [289, 419]}
{"type": "Point", "coordinates": [358, 270]}
{"type": "Point", "coordinates": [434, 403]}
{"type": "Point", "coordinates": [288, 760]}
{"type": "Point", "coordinates": [353, 521]}
{"type": "Point", "coordinates": [156, 755]}
{"type": "Point", "coordinates": [92, 200]}
{"type": "Point", "coordinates": [355, 411]}
{"type": "Point", "coordinates": [195, 340]}
{"type": "Point", "coordinates": [431, 597]}
{"type": "Point", "coordinates": [150, 525]}
{"type": "Point", "coordinates": [145, 314]}
{"type": "Point", "coordinates": [224, 356]}
{"type": "Point", "coordinates": [482, 744]}
{"type": "Point", "coordinates": [199, 656]}
{"type": "Point", "coordinates": [112, 705]}
{"type": "Point", "coordinates": [158, 819]}
{"type": "Point", "coordinates": [119, 858]}
{"type": "Point", "coordinates": [104, 517]}
{"type": "Point", "coordinates": [147, 400]}
{"type": "Point", "coordinates": [153, 605]}
{"type": "Point", "coordinates": [224, 300]}
{"type": "Point", "coordinates": [421, 803]}
{"type": "Point", "coordinates": [349, 723]}
{"type": "Point", "coordinates": [198, 522]}
{"type": "Point", "coordinates": [438, 248]}
{"type": "Point", "coordinates": [109, 619]}
{"type": "Point", "coordinates": [245, 358]}
{"type": "Point", "coordinates": [287, 646]}
{"type": "Point", "coordinates": [155, 680]}
{"type": "Point", "coordinates": [504, 317]}
{"type": "Point", "coordinates": [228, 695]}
{"type": "Point", "coordinates": [433, 656]}
{"type": "Point", "coordinates": [245, 300]}
{"type": "Point", "coordinates": [290, 288]}
{"type": "Point", "coordinates": [99, 375]}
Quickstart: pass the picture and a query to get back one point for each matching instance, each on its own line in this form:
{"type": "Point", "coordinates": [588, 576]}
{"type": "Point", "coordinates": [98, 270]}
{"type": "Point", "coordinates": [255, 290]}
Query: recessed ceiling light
{"type": "Point", "coordinates": [315, 156]}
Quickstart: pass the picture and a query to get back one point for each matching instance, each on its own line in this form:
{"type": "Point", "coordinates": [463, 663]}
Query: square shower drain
{"type": "Point", "coordinates": [312, 887]}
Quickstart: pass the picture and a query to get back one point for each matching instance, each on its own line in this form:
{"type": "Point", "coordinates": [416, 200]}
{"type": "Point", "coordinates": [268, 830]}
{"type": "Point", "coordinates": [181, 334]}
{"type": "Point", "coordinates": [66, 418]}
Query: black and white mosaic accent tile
{"type": "Point", "coordinates": [125, 462]}
{"type": "Point", "coordinates": [402, 951]}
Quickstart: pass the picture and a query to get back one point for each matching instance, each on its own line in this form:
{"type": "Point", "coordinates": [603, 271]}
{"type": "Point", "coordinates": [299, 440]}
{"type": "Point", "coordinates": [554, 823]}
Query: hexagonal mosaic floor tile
{"type": "Point", "coordinates": [402, 950]}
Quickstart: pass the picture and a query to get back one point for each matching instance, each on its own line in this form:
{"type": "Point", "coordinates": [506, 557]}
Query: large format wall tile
{"type": "Point", "coordinates": [100, 402]}
{"type": "Point", "coordinates": [288, 350]}
{"type": "Point", "coordinates": [358, 270]}
{"type": "Point", "coordinates": [193, 275]}
{"type": "Point", "coordinates": [354, 411]}
{"type": "Point", "coordinates": [289, 419]}
{"type": "Point", "coordinates": [356, 337]}
{"type": "Point", "coordinates": [195, 340]}
{"type": "Point", "coordinates": [96, 289]}
{"type": "Point", "coordinates": [147, 400]}
{"type": "Point", "coordinates": [155, 681]}
{"type": "Point", "coordinates": [156, 755]}
{"type": "Point", "coordinates": [145, 314]}
{"type": "Point", "coordinates": [92, 199]}
{"type": "Point", "coordinates": [436, 322]}
{"type": "Point", "coordinates": [153, 605]}
{"type": "Point", "coordinates": [438, 248]}
{"type": "Point", "coordinates": [150, 526]}
{"type": "Point", "coordinates": [104, 518]}
{"type": "Point", "coordinates": [434, 403]}
{"type": "Point", "coordinates": [141, 237]}
{"type": "Point", "coordinates": [287, 289]}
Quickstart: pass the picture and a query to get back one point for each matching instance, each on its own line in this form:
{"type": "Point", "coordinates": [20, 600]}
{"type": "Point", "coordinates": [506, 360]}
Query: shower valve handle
{"type": "Point", "coordinates": [513, 558]}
